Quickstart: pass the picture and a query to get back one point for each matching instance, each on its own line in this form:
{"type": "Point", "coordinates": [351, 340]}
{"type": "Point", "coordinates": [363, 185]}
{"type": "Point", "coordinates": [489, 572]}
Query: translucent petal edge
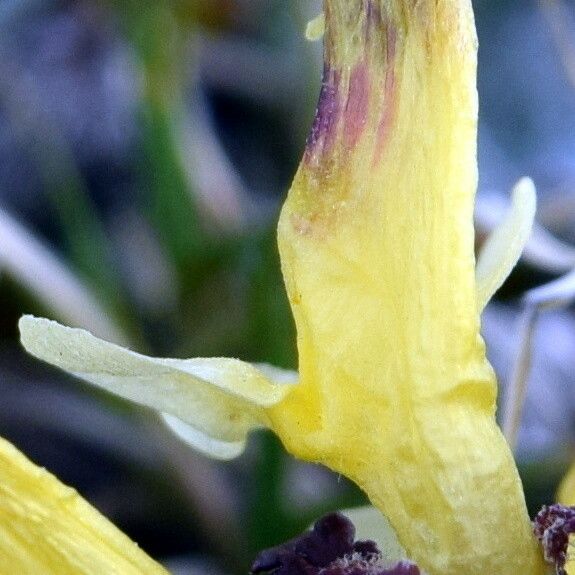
{"type": "Point", "coordinates": [214, 448]}
{"type": "Point", "coordinates": [504, 246]}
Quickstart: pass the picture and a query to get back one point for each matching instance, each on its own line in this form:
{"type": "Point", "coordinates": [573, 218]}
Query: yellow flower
{"type": "Point", "coordinates": [377, 246]}
{"type": "Point", "coordinates": [48, 529]}
{"type": "Point", "coordinates": [566, 496]}
{"type": "Point", "coordinates": [566, 493]}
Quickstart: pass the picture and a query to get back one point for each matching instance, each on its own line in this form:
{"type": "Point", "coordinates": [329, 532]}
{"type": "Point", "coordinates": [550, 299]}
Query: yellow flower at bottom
{"type": "Point", "coordinates": [47, 528]}
{"type": "Point", "coordinates": [377, 246]}
{"type": "Point", "coordinates": [566, 496]}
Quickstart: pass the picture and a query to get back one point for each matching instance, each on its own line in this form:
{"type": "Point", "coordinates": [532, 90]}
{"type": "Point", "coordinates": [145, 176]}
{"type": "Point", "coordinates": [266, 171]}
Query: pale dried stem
{"type": "Point", "coordinates": [557, 294]}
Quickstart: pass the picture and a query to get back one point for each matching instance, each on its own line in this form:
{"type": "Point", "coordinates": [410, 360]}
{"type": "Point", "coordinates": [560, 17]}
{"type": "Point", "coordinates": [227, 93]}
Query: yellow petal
{"type": "Point", "coordinates": [566, 496]}
{"type": "Point", "coordinates": [47, 528]}
{"type": "Point", "coordinates": [221, 398]}
{"type": "Point", "coordinates": [202, 442]}
{"type": "Point", "coordinates": [504, 246]}
{"type": "Point", "coordinates": [566, 492]}
{"type": "Point", "coordinates": [377, 246]}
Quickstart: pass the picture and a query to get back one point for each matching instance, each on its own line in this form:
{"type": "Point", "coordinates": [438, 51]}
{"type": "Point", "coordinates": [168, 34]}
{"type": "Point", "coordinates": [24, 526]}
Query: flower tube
{"type": "Point", "coordinates": [377, 246]}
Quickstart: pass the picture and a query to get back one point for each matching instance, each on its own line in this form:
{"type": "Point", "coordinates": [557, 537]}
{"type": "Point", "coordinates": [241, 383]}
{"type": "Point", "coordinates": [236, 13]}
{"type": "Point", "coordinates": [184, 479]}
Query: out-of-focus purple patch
{"type": "Point", "coordinates": [390, 94]}
{"type": "Point", "coordinates": [552, 526]}
{"type": "Point", "coordinates": [329, 549]}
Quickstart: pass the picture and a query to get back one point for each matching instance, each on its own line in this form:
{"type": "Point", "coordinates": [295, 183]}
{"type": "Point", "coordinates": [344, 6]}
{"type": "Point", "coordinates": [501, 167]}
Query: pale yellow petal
{"type": "Point", "coordinates": [504, 246]}
{"type": "Point", "coordinates": [46, 528]}
{"type": "Point", "coordinates": [222, 398]}
{"type": "Point", "coordinates": [202, 442]}
{"type": "Point", "coordinates": [566, 496]}
{"type": "Point", "coordinates": [315, 28]}
{"type": "Point", "coordinates": [278, 374]}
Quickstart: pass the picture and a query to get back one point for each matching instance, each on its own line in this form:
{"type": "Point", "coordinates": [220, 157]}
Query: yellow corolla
{"type": "Point", "coordinates": [48, 529]}
{"type": "Point", "coordinates": [566, 496]}
{"type": "Point", "coordinates": [377, 247]}
{"type": "Point", "coordinates": [566, 493]}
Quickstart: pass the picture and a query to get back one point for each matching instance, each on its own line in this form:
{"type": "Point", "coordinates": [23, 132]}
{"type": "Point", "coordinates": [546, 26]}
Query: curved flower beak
{"type": "Point", "coordinates": [377, 245]}
{"type": "Point", "coordinates": [48, 528]}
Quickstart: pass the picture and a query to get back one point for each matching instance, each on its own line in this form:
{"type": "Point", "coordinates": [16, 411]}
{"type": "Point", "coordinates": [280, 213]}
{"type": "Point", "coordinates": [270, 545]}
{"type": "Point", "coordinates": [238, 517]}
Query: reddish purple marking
{"type": "Point", "coordinates": [323, 133]}
{"type": "Point", "coordinates": [357, 105]}
{"type": "Point", "coordinates": [335, 107]}
{"type": "Point", "coordinates": [390, 97]}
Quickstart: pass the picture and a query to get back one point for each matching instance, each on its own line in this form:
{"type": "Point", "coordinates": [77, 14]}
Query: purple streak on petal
{"type": "Point", "coordinates": [373, 20]}
{"type": "Point", "coordinates": [357, 105]}
{"type": "Point", "coordinates": [324, 129]}
{"type": "Point", "coordinates": [390, 97]}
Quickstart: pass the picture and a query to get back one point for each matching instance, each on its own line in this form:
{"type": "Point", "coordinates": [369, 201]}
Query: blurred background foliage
{"type": "Point", "coordinates": [145, 148]}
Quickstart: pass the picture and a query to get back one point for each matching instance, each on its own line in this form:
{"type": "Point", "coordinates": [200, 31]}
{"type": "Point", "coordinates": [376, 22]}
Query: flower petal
{"type": "Point", "coordinates": [315, 28]}
{"type": "Point", "coordinates": [221, 398]}
{"type": "Point", "coordinates": [202, 442]}
{"type": "Point", "coordinates": [377, 245]}
{"type": "Point", "coordinates": [47, 528]}
{"type": "Point", "coordinates": [566, 491]}
{"type": "Point", "coordinates": [503, 248]}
